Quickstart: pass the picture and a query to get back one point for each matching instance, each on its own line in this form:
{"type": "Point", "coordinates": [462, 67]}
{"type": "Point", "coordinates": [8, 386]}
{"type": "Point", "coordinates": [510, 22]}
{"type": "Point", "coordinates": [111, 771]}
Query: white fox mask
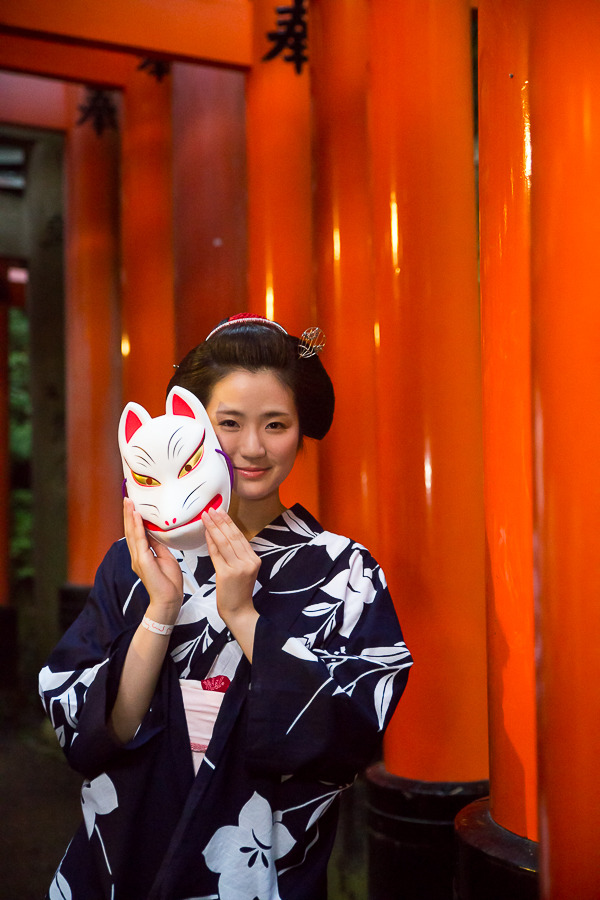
{"type": "Point", "coordinates": [174, 468]}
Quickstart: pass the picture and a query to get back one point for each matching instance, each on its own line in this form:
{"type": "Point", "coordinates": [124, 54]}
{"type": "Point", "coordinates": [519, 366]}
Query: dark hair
{"type": "Point", "coordinates": [255, 346]}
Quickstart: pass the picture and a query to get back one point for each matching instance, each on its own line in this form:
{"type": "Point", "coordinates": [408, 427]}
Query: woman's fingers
{"type": "Point", "coordinates": [134, 530]}
{"type": "Point", "coordinates": [220, 525]}
{"type": "Point", "coordinates": [231, 553]}
{"type": "Point", "coordinates": [224, 537]}
{"type": "Point", "coordinates": [152, 561]}
{"type": "Point", "coordinates": [236, 567]}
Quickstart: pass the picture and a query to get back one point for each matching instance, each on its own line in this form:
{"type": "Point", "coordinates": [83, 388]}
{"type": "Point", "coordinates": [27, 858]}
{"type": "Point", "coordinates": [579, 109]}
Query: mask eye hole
{"type": "Point", "coordinates": [194, 459]}
{"type": "Point", "coordinates": [145, 480]}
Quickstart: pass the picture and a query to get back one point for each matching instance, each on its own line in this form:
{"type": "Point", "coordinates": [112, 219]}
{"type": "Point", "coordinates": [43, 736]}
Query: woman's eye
{"type": "Point", "coordinates": [193, 461]}
{"type": "Point", "coordinates": [228, 423]}
{"type": "Point", "coordinates": [275, 426]}
{"type": "Point", "coordinates": [145, 480]}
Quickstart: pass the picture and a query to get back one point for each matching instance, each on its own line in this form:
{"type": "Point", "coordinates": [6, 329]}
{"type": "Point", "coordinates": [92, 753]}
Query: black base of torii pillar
{"type": "Point", "coordinates": [491, 862]}
{"type": "Point", "coordinates": [411, 834]}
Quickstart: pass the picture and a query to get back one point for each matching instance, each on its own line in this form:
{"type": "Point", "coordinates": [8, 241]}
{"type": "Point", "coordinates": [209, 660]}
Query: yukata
{"type": "Point", "coordinates": [258, 820]}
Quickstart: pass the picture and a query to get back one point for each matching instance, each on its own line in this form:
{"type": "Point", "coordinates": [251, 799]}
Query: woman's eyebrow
{"type": "Point", "coordinates": [228, 411]}
{"type": "Point", "coordinates": [269, 414]}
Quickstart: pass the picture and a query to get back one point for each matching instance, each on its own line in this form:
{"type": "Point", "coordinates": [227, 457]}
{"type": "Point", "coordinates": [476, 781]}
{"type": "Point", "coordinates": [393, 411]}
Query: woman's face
{"type": "Point", "coordinates": [254, 415]}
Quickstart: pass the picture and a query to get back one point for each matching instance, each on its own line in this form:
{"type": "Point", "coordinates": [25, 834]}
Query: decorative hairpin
{"type": "Point", "coordinates": [311, 343]}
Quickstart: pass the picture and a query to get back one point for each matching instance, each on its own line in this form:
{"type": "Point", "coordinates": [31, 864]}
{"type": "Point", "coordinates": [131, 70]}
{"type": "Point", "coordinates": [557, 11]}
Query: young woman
{"type": "Point", "coordinates": [295, 622]}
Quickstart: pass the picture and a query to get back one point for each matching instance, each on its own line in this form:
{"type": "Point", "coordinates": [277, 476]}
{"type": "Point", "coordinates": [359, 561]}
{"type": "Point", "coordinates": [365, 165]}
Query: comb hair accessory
{"type": "Point", "coordinates": [311, 343]}
{"type": "Point", "coordinates": [242, 319]}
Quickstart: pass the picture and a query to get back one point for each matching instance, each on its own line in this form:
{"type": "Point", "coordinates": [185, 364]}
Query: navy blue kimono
{"type": "Point", "coordinates": [294, 728]}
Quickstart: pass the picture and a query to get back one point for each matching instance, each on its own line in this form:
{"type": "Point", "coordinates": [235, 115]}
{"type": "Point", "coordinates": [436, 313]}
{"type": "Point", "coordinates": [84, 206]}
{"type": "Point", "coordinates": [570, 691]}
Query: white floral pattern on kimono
{"type": "Point", "coordinates": [244, 855]}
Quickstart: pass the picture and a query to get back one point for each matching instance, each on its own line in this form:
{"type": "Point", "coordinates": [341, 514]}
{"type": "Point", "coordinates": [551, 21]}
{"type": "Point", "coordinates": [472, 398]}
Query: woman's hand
{"type": "Point", "coordinates": [156, 566]}
{"type": "Point", "coordinates": [160, 573]}
{"type": "Point", "coordinates": [236, 567]}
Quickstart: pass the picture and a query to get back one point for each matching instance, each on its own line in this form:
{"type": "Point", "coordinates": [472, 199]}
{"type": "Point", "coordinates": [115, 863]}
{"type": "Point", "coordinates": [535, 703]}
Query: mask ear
{"type": "Point", "coordinates": [182, 402]}
{"type": "Point", "coordinates": [132, 418]}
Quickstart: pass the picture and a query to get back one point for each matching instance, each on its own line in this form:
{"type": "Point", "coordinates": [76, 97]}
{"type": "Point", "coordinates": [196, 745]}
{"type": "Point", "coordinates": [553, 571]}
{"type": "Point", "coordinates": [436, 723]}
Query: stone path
{"type": "Point", "coordinates": [39, 811]}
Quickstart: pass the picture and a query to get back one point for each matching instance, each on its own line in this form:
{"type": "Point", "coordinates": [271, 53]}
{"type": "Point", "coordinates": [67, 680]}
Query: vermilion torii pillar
{"type": "Point", "coordinates": [347, 311]}
{"type": "Point", "coordinates": [496, 837]}
{"type": "Point", "coordinates": [93, 386]}
{"type": "Point", "coordinates": [280, 234]}
{"type": "Point", "coordinates": [148, 315]}
{"type": "Point", "coordinates": [505, 194]}
{"type": "Point", "coordinates": [209, 199]}
{"type": "Point", "coordinates": [119, 298]}
{"type": "Point", "coordinates": [429, 425]}
{"type": "Point", "coordinates": [565, 115]}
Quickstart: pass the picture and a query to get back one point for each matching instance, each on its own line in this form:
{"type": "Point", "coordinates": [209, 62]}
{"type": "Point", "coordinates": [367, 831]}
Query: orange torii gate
{"type": "Point", "coordinates": [360, 215]}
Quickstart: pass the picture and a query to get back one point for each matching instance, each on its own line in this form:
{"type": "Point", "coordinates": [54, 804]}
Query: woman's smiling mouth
{"type": "Point", "coordinates": [250, 472]}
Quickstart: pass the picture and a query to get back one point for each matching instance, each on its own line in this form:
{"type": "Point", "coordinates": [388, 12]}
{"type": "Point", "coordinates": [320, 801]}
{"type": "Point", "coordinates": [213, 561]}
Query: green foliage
{"type": "Point", "coordinates": [20, 541]}
{"type": "Point", "coordinates": [19, 397]}
{"type": "Point", "coordinates": [20, 448]}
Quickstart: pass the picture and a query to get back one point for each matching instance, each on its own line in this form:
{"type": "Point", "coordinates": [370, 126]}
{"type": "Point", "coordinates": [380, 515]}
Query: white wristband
{"type": "Point", "coordinates": [156, 627]}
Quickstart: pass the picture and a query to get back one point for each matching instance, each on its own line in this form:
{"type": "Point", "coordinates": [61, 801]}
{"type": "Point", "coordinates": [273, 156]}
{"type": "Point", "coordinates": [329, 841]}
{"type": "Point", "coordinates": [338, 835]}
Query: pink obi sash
{"type": "Point", "coordinates": [202, 702]}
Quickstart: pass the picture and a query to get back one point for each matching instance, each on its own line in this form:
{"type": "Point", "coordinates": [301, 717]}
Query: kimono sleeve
{"type": "Point", "coordinates": [323, 693]}
{"type": "Point", "coordinates": [78, 684]}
